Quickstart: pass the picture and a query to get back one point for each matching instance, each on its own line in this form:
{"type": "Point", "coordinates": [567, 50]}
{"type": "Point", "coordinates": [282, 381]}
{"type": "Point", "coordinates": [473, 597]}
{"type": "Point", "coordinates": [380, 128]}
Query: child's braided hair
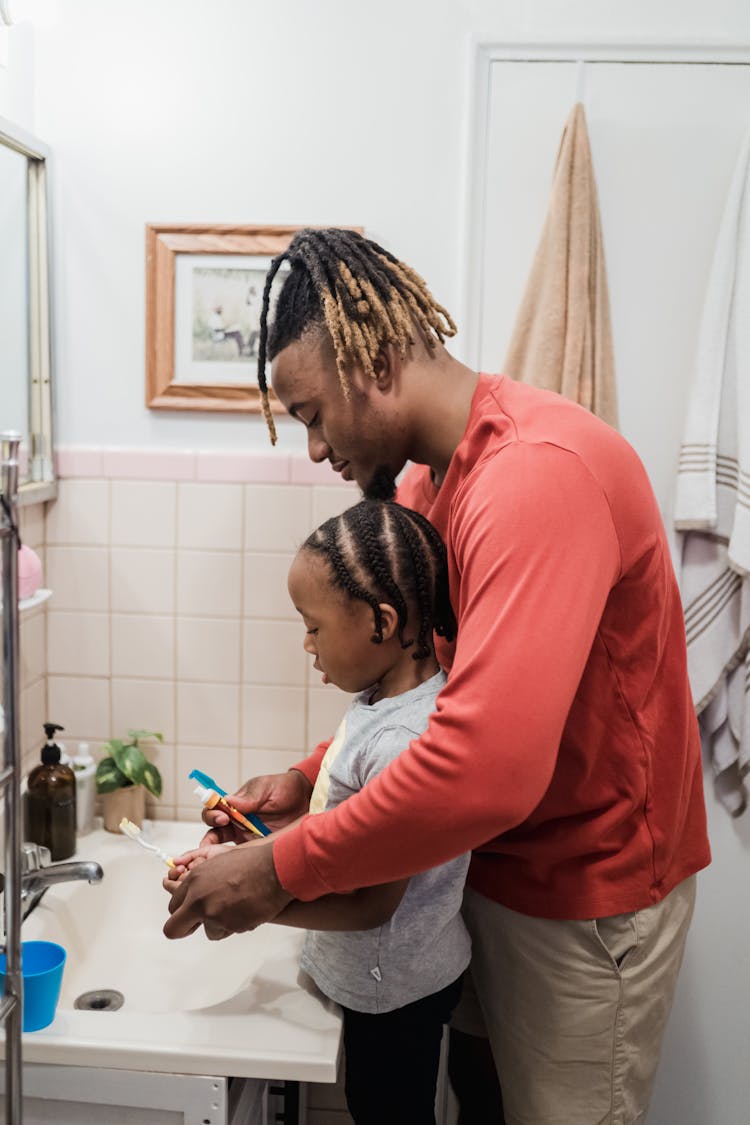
{"type": "Point", "coordinates": [379, 551]}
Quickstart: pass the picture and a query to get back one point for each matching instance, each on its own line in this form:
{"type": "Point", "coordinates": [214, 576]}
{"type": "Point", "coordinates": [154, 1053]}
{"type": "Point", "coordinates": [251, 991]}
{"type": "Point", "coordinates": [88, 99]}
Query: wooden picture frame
{"type": "Point", "coordinates": [196, 359]}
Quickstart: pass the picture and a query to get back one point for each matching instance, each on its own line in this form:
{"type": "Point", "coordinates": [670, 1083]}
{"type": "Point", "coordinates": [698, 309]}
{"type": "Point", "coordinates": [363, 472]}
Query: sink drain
{"type": "Point", "coordinates": [100, 1000]}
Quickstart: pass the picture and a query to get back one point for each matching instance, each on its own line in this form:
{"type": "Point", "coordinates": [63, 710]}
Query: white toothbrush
{"type": "Point", "coordinates": [134, 833]}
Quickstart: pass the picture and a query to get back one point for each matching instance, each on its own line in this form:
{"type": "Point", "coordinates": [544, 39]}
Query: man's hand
{"type": "Point", "coordinates": [229, 893]}
{"type": "Point", "coordinates": [277, 798]}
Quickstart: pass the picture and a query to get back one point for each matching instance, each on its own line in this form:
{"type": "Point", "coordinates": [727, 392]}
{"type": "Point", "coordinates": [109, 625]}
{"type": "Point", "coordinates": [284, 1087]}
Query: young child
{"type": "Point", "coordinates": [371, 585]}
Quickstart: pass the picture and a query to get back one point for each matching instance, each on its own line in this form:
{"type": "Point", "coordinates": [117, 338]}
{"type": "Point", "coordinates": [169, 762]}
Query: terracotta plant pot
{"type": "Point", "coordinates": [129, 802]}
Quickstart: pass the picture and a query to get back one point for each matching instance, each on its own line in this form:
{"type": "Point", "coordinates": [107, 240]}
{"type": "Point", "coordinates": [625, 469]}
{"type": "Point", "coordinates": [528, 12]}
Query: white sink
{"type": "Point", "coordinates": [235, 1007]}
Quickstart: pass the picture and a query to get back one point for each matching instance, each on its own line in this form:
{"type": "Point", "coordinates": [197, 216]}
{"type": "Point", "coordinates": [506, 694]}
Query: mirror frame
{"type": "Point", "coordinates": [40, 483]}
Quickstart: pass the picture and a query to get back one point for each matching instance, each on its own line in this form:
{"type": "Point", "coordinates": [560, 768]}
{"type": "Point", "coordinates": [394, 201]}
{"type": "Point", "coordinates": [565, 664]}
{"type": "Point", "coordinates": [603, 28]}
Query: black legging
{"type": "Point", "coordinates": [473, 1078]}
{"type": "Point", "coordinates": [392, 1060]}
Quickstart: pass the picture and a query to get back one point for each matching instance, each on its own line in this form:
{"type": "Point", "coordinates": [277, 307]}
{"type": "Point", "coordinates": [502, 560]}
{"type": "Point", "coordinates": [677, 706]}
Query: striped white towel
{"type": "Point", "coordinates": [713, 480]}
{"type": "Point", "coordinates": [716, 602]}
{"type": "Point", "coordinates": [724, 727]}
{"type": "Point", "coordinates": [712, 506]}
{"type": "Point", "coordinates": [715, 626]}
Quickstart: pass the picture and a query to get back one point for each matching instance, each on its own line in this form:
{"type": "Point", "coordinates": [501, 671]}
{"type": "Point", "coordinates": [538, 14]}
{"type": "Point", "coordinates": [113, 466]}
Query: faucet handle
{"type": "Point", "coordinates": [34, 856]}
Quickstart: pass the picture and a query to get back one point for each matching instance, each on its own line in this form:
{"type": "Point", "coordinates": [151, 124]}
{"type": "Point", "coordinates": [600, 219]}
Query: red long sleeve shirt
{"type": "Point", "coordinates": [564, 749]}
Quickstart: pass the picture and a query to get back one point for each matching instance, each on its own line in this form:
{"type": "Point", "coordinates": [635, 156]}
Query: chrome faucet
{"type": "Point", "coordinates": [37, 874]}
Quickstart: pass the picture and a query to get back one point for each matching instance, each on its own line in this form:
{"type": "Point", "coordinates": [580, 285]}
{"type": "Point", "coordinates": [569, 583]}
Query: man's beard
{"type": "Point", "coordinates": [381, 485]}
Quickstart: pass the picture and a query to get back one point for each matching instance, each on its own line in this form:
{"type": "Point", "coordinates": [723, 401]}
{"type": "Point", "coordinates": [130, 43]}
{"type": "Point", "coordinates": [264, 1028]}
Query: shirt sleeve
{"type": "Point", "coordinates": [310, 765]}
{"type": "Point", "coordinates": [536, 554]}
{"type": "Point", "coordinates": [387, 744]}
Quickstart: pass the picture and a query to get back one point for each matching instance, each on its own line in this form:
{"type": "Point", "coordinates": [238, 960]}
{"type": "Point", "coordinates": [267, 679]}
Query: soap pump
{"type": "Point", "coordinates": [51, 797]}
{"type": "Point", "coordinates": [84, 768]}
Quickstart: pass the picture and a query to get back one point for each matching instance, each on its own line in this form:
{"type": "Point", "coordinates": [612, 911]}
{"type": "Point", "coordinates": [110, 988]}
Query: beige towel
{"type": "Point", "coordinates": [562, 338]}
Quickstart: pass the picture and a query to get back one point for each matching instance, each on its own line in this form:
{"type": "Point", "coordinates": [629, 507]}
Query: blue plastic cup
{"type": "Point", "coordinates": [42, 964]}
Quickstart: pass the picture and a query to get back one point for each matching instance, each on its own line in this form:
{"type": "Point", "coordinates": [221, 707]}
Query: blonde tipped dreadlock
{"type": "Point", "coordinates": [364, 296]}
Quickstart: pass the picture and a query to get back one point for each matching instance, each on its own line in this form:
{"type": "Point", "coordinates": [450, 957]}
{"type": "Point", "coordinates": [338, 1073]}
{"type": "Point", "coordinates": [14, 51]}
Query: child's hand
{"type": "Point", "coordinates": [188, 860]}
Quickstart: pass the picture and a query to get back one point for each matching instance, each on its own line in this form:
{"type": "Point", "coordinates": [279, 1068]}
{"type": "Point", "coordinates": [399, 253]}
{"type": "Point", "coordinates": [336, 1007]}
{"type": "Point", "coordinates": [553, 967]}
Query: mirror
{"type": "Point", "coordinates": [25, 343]}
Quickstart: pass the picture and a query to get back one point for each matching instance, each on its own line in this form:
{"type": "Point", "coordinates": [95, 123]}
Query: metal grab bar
{"type": "Point", "coordinates": [11, 1006]}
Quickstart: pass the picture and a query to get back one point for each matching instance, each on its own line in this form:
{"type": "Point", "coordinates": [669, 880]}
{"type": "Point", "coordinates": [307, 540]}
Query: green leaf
{"type": "Point", "coordinates": [128, 765]}
{"type": "Point", "coordinates": [112, 745]}
{"type": "Point", "coordinates": [131, 761]}
{"type": "Point", "coordinates": [109, 777]}
{"type": "Point", "coordinates": [152, 779]}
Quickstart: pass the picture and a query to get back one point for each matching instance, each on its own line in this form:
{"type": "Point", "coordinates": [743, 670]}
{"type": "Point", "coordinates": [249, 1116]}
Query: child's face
{"type": "Point", "coordinates": [339, 629]}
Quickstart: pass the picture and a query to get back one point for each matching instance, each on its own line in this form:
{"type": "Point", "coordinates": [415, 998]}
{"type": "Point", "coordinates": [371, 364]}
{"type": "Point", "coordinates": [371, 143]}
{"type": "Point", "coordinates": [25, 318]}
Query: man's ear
{"type": "Point", "coordinates": [387, 367]}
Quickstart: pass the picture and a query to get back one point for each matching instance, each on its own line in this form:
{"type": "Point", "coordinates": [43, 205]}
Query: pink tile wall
{"type": "Point", "coordinates": [32, 650]}
{"type": "Point", "coordinates": [170, 611]}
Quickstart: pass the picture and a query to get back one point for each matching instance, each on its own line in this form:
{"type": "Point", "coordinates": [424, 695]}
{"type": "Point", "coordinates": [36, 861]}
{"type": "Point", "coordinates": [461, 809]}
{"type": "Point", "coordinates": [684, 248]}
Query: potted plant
{"type": "Point", "coordinates": [123, 777]}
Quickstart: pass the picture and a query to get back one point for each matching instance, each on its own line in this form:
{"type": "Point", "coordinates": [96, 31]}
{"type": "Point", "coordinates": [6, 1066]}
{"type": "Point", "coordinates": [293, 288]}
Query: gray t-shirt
{"type": "Point", "coordinates": [425, 945]}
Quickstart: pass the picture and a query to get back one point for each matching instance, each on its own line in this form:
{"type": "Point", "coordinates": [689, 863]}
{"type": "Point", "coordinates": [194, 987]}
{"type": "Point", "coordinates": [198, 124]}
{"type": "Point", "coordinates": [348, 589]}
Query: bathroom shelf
{"type": "Point", "coordinates": [35, 599]}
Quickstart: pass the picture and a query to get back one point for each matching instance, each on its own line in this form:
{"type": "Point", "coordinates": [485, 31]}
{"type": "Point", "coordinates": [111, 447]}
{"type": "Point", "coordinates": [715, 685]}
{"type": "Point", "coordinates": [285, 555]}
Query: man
{"type": "Point", "coordinates": [564, 749]}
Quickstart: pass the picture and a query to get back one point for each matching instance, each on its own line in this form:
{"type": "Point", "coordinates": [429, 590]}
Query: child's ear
{"type": "Point", "coordinates": [389, 619]}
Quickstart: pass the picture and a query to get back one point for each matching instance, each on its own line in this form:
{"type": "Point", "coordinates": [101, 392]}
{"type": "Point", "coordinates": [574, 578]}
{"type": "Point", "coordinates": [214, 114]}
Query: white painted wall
{"type": "Point", "coordinates": [17, 74]}
{"type": "Point", "coordinates": [320, 112]}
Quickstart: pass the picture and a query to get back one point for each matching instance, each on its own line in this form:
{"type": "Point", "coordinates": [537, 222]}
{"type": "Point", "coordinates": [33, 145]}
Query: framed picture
{"type": "Point", "coordinates": [204, 289]}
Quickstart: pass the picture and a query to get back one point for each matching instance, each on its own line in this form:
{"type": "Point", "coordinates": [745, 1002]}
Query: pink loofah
{"type": "Point", "coordinates": [29, 572]}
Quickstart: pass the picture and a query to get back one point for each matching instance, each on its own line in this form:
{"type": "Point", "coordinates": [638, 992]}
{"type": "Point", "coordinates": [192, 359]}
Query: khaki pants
{"type": "Point", "coordinates": [574, 1010]}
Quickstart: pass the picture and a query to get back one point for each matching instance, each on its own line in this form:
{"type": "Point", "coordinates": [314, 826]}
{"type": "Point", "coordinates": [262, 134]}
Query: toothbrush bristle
{"type": "Point", "coordinates": [133, 831]}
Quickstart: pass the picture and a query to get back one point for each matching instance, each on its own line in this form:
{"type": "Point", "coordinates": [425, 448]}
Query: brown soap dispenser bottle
{"type": "Point", "coordinates": [51, 801]}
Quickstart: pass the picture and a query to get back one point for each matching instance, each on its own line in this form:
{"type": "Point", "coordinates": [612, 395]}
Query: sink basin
{"type": "Point", "coordinates": [237, 1007]}
{"type": "Point", "coordinates": [112, 934]}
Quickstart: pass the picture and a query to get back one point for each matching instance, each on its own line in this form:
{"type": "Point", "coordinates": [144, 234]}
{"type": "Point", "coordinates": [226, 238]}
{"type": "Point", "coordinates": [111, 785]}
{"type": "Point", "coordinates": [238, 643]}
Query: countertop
{"type": "Point", "coordinates": [237, 1007]}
